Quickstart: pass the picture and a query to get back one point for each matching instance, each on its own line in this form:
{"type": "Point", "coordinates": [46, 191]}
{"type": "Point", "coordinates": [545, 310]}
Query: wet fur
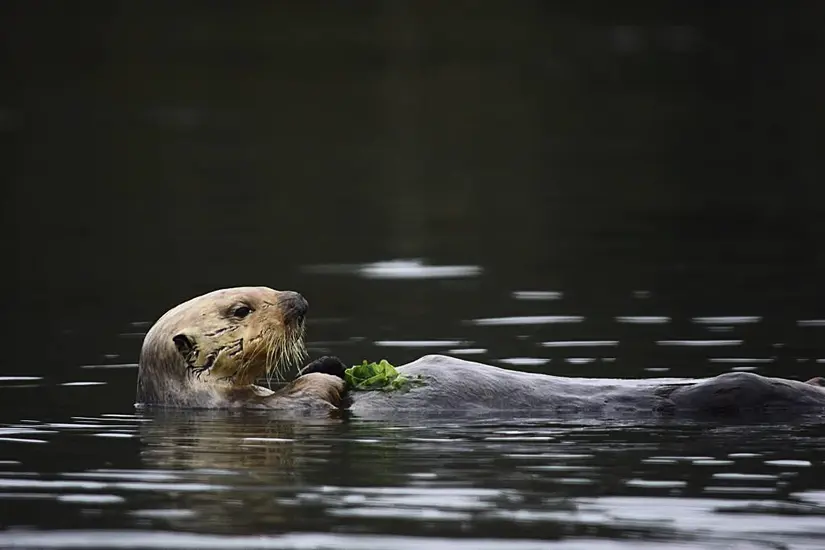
{"type": "Point", "coordinates": [457, 384]}
{"type": "Point", "coordinates": [199, 355]}
{"type": "Point", "coordinates": [216, 365]}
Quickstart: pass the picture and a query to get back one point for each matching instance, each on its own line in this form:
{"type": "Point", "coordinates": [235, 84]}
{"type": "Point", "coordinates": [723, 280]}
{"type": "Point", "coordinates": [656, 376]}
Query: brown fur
{"type": "Point", "coordinates": [208, 352]}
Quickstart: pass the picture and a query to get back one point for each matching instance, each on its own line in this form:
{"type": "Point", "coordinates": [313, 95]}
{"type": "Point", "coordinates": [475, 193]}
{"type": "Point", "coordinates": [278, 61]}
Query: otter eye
{"type": "Point", "coordinates": [241, 311]}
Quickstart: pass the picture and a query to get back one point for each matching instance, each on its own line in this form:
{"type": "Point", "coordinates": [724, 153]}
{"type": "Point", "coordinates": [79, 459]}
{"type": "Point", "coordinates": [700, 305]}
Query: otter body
{"type": "Point", "coordinates": [209, 351]}
{"type": "Point", "coordinates": [457, 384]}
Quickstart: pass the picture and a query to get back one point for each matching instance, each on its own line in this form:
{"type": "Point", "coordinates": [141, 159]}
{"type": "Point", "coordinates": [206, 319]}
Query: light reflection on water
{"type": "Point", "coordinates": [398, 269]}
{"type": "Point", "coordinates": [182, 475]}
{"type": "Point", "coordinates": [582, 192]}
{"type": "Point", "coordinates": [87, 470]}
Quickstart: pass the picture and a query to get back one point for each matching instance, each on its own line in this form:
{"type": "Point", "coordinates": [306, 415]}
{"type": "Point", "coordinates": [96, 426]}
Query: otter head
{"type": "Point", "coordinates": [222, 340]}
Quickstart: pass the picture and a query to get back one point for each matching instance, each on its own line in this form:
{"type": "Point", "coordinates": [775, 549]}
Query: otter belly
{"type": "Point", "coordinates": [452, 384]}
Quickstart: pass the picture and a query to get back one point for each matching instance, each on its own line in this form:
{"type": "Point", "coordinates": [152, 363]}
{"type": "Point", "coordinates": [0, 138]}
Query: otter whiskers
{"type": "Point", "coordinates": [283, 348]}
{"type": "Point", "coordinates": [289, 349]}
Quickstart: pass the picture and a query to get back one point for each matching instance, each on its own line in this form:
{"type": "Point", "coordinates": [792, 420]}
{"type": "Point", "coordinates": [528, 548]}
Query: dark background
{"type": "Point", "coordinates": [157, 150]}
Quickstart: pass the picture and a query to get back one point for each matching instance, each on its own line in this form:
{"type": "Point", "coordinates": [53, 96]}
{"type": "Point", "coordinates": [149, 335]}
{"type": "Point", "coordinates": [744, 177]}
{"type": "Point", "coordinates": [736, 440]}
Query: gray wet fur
{"type": "Point", "coordinates": [457, 384]}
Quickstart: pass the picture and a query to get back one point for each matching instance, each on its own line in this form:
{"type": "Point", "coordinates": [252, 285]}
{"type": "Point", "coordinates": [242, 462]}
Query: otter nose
{"type": "Point", "coordinates": [293, 305]}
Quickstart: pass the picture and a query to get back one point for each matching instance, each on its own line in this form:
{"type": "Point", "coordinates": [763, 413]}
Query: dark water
{"type": "Point", "coordinates": [251, 481]}
{"type": "Point", "coordinates": [587, 191]}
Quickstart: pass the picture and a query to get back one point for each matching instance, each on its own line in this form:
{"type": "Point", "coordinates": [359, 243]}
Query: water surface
{"type": "Point", "coordinates": [224, 479]}
{"type": "Point", "coordinates": [586, 191]}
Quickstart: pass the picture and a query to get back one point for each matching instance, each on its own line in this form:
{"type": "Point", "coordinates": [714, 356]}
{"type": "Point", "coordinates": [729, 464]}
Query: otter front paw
{"type": "Point", "coordinates": [326, 365]}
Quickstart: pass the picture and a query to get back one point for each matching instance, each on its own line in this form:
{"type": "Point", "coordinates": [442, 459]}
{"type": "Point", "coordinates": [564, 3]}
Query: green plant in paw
{"type": "Point", "coordinates": [376, 376]}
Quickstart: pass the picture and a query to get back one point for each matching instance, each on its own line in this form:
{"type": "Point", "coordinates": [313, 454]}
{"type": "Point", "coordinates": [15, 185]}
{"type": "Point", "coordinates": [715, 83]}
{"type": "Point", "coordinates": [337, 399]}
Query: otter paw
{"type": "Point", "coordinates": [817, 381]}
{"type": "Point", "coordinates": [326, 365]}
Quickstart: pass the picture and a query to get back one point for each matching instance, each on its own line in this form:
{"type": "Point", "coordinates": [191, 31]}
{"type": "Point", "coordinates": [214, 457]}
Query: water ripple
{"type": "Point", "coordinates": [418, 343]}
{"type": "Point", "coordinates": [527, 320]}
{"type": "Point", "coordinates": [699, 343]}
{"type": "Point", "coordinates": [537, 295]}
{"type": "Point", "coordinates": [643, 319]}
{"type": "Point", "coordinates": [728, 320]}
{"type": "Point", "coordinates": [295, 541]}
{"type": "Point", "coordinates": [398, 269]}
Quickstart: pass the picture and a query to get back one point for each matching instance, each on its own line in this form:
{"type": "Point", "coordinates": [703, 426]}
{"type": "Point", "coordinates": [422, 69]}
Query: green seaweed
{"type": "Point", "coordinates": [377, 376]}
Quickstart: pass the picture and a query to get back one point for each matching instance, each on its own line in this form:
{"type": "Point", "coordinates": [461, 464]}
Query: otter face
{"type": "Point", "coordinates": [236, 334]}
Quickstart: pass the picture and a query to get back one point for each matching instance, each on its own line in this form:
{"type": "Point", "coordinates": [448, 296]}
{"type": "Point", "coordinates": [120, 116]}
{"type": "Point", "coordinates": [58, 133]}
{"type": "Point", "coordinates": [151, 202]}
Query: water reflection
{"type": "Point", "coordinates": [528, 320]}
{"type": "Point", "coordinates": [399, 269]}
{"type": "Point", "coordinates": [528, 479]}
{"type": "Point", "coordinates": [530, 184]}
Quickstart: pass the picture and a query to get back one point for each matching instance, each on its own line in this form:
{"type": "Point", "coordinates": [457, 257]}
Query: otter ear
{"type": "Point", "coordinates": [185, 345]}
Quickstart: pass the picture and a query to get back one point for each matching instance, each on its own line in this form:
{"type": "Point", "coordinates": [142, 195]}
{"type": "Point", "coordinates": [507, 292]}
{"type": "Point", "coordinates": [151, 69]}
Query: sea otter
{"type": "Point", "coordinates": [209, 351]}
